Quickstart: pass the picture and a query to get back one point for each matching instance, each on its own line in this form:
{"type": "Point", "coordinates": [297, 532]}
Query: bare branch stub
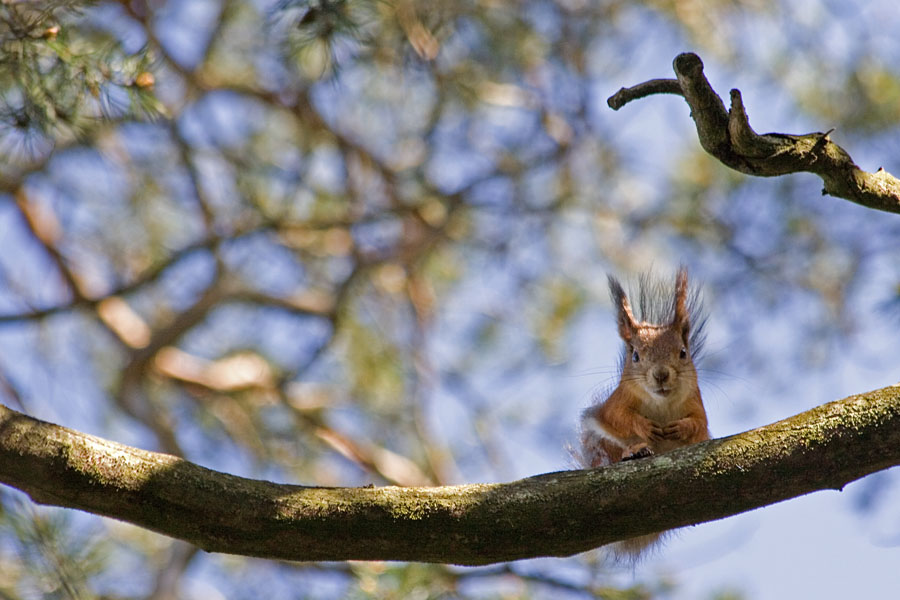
{"type": "Point", "coordinates": [728, 136]}
{"type": "Point", "coordinates": [641, 90]}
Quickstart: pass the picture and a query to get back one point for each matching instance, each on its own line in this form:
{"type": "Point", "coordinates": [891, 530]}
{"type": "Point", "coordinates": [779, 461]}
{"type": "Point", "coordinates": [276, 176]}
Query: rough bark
{"type": "Point", "coordinates": [555, 514]}
{"type": "Point", "coordinates": [727, 135]}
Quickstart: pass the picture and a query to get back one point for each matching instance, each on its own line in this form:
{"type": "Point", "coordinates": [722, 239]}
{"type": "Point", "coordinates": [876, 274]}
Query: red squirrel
{"type": "Point", "coordinates": [656, 405]}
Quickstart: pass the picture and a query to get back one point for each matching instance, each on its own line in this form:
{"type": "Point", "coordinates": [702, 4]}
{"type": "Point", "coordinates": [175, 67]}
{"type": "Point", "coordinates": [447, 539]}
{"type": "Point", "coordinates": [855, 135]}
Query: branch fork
{"type": "Point", "coordinates": [728, 136]}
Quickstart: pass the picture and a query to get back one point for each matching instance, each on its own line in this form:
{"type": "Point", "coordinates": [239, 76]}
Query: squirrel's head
{"type": "Point", "coordinates": [658, 356]}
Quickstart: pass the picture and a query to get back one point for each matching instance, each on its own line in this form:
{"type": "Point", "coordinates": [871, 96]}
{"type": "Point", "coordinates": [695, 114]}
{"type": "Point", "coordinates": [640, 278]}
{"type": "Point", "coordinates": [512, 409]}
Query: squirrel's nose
{"type": "Point", "coordinates": [661, 375]}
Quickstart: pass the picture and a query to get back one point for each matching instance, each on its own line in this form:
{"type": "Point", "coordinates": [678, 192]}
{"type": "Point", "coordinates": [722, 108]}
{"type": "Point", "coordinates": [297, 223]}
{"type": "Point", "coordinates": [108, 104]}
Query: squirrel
{"type": "Point", "coordinates": [656, 405]}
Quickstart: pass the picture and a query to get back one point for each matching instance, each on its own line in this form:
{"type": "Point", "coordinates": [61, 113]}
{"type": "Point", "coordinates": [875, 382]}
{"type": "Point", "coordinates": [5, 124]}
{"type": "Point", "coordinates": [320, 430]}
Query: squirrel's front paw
{"type": "Point", "coordinates": [647, 430]}
{"type": "Point", "coordinates": [682, 429]}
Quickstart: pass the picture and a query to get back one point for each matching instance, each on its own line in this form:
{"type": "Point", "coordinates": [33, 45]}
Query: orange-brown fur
{"type": "Point", "coordinates": [656, 405]}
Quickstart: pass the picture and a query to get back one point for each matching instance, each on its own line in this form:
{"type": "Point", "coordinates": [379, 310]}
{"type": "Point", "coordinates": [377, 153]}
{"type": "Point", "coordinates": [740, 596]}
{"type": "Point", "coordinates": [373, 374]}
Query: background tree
{"type": "Point", "coordinates": [351, 242]}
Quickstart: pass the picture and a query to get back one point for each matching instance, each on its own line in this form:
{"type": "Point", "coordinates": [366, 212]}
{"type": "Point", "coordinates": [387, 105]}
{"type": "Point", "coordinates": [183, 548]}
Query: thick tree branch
{"type": "Point", "coordinates": [556, 514]}
{"type": "Point", "coordinates": [727, 135]}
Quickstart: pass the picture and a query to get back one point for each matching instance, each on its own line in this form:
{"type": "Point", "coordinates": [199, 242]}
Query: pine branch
{"type": "Point", "coordinates": [727, 135]}
{"type": "Point", "coordinates": [555, 514]}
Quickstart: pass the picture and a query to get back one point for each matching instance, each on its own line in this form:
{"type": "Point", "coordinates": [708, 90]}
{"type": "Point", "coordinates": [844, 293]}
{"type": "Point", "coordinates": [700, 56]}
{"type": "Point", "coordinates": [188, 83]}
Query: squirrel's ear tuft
{"type": "Point", "coordinates": [682, 319]}
{"type": "Point", "coordinates": [624, 316]}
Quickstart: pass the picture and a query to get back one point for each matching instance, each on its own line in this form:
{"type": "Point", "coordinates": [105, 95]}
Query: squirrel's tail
{"type": "Point", "coordinates": [633, 550]}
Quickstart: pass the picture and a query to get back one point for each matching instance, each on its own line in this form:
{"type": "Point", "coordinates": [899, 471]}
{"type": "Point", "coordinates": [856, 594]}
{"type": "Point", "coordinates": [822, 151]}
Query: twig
{"type": "Point", "coordinates": [641, 90]}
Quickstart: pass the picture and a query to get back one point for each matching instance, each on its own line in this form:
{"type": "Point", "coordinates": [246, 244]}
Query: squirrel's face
{"type": "Point", "coordinates": [659, 360]}
{"type": "Point", "coordinates": [658, 356]}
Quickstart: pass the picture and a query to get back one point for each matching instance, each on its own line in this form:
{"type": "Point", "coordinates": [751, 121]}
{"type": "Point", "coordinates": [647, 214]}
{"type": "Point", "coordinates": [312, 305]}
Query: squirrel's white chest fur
{"type": "Point", "coordinates": [663, 409]}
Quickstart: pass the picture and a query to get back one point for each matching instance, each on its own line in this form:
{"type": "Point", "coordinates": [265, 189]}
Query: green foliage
{"type": "Point", "coordinates": [319, 34]}
{"type": "Point", "coordinates": [60, 74]}
{"type": "Point", "coordinates": [50, 557]}
{"type": "Point", "coordinates": [562, 302]}
{"type": "Point", "coordinates": [378, 580]}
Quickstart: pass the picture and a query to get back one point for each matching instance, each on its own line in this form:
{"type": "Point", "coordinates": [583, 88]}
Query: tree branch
{"type": "Point", "coordinates": [727, 135]}
{"type": "Point", "coordinates": [555, 514]}
{"type": "Point", "coordinates": [642, 90]}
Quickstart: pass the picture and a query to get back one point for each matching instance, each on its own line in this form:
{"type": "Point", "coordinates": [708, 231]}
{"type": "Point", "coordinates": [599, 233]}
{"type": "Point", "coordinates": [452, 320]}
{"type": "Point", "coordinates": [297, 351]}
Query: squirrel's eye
{"type": "Point", "coordinates": [683, 354]}
{"type": "Point", "coordinates": [635, 357]}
